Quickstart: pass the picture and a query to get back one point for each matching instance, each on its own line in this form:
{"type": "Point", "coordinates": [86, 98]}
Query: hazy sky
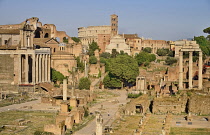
{"type": "Point", "coordinates": [156, 19]}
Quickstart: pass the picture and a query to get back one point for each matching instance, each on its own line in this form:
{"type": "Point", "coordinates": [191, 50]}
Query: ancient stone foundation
{"type": "Point", "coordinates": [200, 104]}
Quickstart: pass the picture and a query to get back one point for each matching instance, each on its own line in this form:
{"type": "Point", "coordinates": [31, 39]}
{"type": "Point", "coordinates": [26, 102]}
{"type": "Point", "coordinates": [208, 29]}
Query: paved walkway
{"type": "Point", "coordinates": [109, 107]}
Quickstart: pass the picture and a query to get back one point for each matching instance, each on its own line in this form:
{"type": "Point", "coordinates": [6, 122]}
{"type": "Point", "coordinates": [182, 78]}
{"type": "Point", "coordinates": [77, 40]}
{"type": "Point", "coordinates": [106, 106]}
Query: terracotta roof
{"type": "Point", "coordinates": [61, 53]}
{"type": "Point", "coordinates": [41, 41]}
{"type": "Point", "coordinates": [9, 31]}
{"type": "Point", "coordinates": [130, 36]}
{"type": "Point", "coordinates": [51, 39]}
{"type": "Point", "coordinates": [154, 41]}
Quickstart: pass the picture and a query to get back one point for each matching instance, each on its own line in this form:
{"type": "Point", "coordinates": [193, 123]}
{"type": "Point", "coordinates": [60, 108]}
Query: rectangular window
{"type": "Point", "coordinates": [5, 42]}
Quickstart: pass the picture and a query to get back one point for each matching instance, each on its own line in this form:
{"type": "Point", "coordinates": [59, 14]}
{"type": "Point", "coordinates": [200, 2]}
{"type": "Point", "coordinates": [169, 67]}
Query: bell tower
{"type": "Point", "coordinates": [114, 25]}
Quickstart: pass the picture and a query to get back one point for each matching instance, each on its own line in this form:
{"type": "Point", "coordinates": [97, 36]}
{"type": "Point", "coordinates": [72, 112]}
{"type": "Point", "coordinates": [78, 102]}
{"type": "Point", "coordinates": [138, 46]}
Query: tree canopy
{"type": "Point", "coordinates": [84, 83]}
{"type": "Point", "coordinates": [111, 81]}
{"type": "Point", "coordinates": [57, 76]}
{"type": "Point", "coordinates": [80, 64]}
{"type": "Point", "coordinates": [204, 44]}
{"type": "Point", "coordinates": [92, 60]}
{"type": "Point", "coordinates": [75, 39]}
{"type": "Point", "coordinates": [147, 49]}
{"type": "Point", "coordinates": [65, 40]}
{"type": "Point", "coordinates": [144, 57]}
{"type": "Point", "coordinates": [92, 47]}
{"type": "Point", "coordinates": [207, 30]}
{"type": "Point", "coordinates": [114, 53]}
{"type": "Point", "coordinates": [162, 52]}
{"type": "Point", "coordinates": [105, 55]}
{"type": "Point", "coordinates": [170, 60]}
{"type": "Point", "coordinates": [123, 68]}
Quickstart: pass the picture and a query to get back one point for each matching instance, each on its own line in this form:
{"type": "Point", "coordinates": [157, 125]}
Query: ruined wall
{"type": "Point", "coordinates": [169, 104]}
{"type": "Point", "coordinates": [199, 104]}
{"type": "Point", "coordinates": [63, 63]}
{"type": "Point", "coordinates": [7, 72]}
{"type": "Point", "coordinates": [77, 49]}
{"type": "Point", "coordinates": [10, 39]}
{"type": "Point", "coordinates": [94, 69]}
{"type": "Point", "coordinates": [143, 100]}
{"type": "Point", "coordinates": [103, 41]}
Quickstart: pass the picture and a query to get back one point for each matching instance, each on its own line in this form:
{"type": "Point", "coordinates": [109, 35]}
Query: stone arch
{"type": "Point", "coordinates": [139, 108]}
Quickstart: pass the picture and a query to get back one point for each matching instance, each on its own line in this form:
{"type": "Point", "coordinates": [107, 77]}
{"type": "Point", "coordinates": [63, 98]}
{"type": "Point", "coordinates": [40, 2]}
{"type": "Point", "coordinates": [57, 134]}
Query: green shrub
{"type": "Point", "coordinates": [42, 133]}
{"type": "Point", "coordinates": [92, 60]}
{"type": "Point", "coordinates": [131, 95]}
{"type": "Point", "coordinates": [84, 83]}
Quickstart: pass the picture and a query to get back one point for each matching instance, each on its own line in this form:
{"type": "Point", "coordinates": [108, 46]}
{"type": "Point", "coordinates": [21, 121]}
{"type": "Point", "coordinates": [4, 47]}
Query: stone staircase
{"type": "Point", "coordinates": [153, 125]}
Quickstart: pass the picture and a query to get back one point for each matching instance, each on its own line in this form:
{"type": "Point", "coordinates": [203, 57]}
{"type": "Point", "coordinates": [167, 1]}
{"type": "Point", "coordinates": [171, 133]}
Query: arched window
{"type": "Point", "coordinates": [46, 35]}
{"type": "Point", "coordinates": [54, 50]}
{"type": "Point", "coordinates": [65, 39]}
{"type": "Point", "coordinates": [37, 34]}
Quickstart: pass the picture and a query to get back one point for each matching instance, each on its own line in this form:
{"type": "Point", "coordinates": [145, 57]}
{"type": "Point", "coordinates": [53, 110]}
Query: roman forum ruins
{"type": "Point", "coordinates": [167, 93]}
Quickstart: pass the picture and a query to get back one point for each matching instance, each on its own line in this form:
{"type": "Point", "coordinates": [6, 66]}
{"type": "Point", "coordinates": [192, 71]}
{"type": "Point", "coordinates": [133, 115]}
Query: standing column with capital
{"type": "Point", "coordinates": [200, 76]}
{"type": "Point", "coordinates": [26, 68]}
{"type": "Point", "coordinates": [43, 61]}
{"type": "Point", "coordinates": [34, 69]}
{"type": "Point", "coordinates": [46, 68]}
{"type": "Point", "coordinates": [20, 68]}
{"type": "Point", "coordinates": [37, 68]}
{"type": "Point", "coordinates": [49, 72]}
{"type": "Point", "coordinates": [180, 70]}
{"type": "Point", "coordinates": [40, 68]}
{"type": "Point", "coordinates": [190, 70]}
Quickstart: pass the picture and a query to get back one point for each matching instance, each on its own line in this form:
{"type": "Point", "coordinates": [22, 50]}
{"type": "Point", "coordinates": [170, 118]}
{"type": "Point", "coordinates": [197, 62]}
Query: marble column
{"type": "Point", "coordinates": [49, 71]}
{"type": "Point", "coordinates": [33, 68]}
{"type": "Point", "coordinates": [26, 68]}
{"type": "Point", "coordinates": [37, 68]}
{"type": "Point", "coordinates": [40, 67]}
{"type": "Point", "coordinates": [200, 76]}
{"type": "Point", "coordinates": [190, 70]}
{"type": "Point", "coordinates": [180, 70]}
{"type": "Point", "coordinates": [99, 123]}
{"type": "Point", "coordinates": [20, 68]}
{"type": "Point", "coordinates": [46, 68]}
{"type": "Point", "coordinates": [65, 89]}
{"type": "Point", "coordinates": [43, 61]}
{"type": "Point", "coordinates": [86, 73]}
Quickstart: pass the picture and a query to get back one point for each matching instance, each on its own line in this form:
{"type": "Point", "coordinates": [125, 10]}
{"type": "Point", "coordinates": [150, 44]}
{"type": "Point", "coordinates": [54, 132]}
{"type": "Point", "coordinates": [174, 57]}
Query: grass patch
{"type": "Point", "coordinates": [15, 99]}
{"type": "Point", "coordinates": [126, 126]}
{"type": "Point", "coordinates": [189, 131]}
{"type": "Point", "coordinates": [37, 120]}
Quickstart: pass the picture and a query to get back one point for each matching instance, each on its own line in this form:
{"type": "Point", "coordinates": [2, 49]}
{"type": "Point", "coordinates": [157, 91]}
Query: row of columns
{"type": "Point", "coordinates": [40, 68]}
{"type": "Point", "coordinates": [200, 64]}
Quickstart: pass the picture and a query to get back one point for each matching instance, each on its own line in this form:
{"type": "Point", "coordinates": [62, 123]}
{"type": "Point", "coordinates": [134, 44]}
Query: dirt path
{"type": "Point", "coordinates": [109, 107]}
{"type": "Point", "coordinates": [18, 106]}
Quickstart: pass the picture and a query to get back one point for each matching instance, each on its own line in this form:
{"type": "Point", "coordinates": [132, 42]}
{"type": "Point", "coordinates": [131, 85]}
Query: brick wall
{"type": "Point", "coordinates": [7, 72]}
